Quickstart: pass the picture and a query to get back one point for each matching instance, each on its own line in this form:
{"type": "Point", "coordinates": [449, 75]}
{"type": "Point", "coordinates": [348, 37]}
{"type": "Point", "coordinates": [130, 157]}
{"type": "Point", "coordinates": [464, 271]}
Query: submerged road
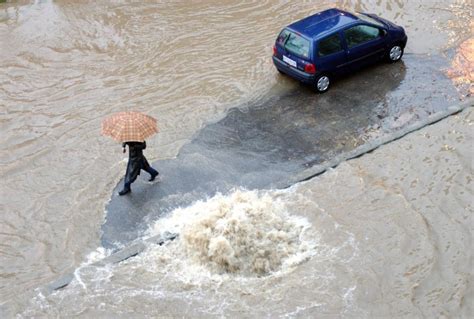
{"type": "Point", "coordinates": [266, 143]}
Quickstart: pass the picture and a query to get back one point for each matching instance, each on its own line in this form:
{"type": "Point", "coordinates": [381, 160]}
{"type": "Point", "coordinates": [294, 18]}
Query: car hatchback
{"type": "Point", "coordinates": [319, 47]}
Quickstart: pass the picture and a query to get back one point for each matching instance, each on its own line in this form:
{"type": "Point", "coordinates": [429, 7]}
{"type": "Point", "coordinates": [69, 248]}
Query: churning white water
{"type": "Point", "coordinates": [247, 233]}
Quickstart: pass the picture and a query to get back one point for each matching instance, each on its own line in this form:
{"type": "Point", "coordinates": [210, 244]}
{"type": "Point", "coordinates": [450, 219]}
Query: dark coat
{"type": "Point", "coordinates": [136, 161]}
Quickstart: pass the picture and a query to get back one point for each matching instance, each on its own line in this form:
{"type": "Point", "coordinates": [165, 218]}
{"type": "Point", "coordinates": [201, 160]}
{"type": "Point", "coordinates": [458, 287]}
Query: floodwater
{"type": "Point", "coordinates": [364, 240]}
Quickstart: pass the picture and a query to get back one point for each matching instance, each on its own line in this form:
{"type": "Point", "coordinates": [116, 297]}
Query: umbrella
{"type": "Point", "coordinates": [129, 126]}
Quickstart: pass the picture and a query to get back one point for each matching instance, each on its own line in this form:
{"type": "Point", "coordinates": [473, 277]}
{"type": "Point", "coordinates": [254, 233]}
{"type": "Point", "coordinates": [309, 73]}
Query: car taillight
{"type": "Point", "coordinates": [274, 50]}
{"type": "Point", "coordinates": [310, 68]}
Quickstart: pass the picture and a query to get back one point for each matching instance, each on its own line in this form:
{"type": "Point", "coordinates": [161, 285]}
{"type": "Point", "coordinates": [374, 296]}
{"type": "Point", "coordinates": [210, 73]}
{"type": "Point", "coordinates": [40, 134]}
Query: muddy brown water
{"type": "Point", "coordinates": [65, 65]}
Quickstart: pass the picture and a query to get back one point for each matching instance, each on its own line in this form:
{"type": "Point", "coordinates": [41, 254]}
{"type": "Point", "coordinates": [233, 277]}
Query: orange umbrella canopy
{"type": "Point", "coordinates": [129, 126]}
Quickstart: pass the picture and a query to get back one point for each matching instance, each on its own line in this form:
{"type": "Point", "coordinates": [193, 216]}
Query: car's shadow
{"type": "Point", "coordinates": [263, 144]}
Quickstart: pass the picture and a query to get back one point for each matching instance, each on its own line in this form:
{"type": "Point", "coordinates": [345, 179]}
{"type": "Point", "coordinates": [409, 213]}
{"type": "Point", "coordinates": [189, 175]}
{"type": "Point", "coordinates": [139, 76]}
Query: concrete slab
{"type": "Point", "coordinates": [123, 254]}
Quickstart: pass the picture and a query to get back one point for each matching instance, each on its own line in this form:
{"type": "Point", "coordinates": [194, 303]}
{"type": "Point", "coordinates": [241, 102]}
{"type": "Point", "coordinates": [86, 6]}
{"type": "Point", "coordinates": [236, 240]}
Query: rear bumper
{"type": "Point", "coordinates": [293, 72]}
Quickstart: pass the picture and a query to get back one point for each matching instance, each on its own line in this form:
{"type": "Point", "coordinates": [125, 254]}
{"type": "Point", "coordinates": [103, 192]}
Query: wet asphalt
{"type": "Point", "coordinates": [264, 144]}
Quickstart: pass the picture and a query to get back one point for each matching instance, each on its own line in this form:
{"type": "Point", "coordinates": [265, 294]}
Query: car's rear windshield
{"type": "Point", "coordinates": [368, 19]}
{"type": "Point", "coordinates": [294, 43]}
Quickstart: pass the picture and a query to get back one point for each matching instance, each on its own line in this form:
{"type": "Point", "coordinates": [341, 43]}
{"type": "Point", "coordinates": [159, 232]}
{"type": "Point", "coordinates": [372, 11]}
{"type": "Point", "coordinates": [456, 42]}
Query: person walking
{"type": "Point", "coordinates": [136, 162]}
{"type": "Point", "coordinates": [130, 128]}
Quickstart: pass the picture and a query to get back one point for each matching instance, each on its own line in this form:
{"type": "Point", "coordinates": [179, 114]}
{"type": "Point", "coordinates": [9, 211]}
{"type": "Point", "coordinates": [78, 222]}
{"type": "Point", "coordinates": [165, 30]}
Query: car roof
{"type": "Point", "coordinates": [323, 22]}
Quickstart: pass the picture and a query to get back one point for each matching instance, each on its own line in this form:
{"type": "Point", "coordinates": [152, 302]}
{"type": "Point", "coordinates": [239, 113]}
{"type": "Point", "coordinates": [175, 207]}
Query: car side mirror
{"type": "Point", "coordinates": [382, 32]}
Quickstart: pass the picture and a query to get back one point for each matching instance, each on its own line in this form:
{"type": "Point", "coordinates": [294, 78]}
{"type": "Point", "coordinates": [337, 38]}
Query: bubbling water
{"type": "Point", "coordinates": [247, 233]}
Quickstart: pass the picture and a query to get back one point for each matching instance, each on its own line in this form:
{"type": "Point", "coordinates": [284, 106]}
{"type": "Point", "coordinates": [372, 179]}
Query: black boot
{"type": "Point", "coordinates": [125, 191]}
{"type": "Point", "coordinates": [153, 176]}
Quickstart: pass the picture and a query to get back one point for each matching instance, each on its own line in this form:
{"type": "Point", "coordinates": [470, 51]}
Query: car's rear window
{"type": "Point", "coordinates": [294, 43]}
{"type": "Point", "coordinates": [329, 45]}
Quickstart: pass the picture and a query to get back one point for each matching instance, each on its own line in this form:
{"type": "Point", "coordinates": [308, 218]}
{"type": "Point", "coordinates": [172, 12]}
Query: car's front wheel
{"type": "Point", "coordinates": [322, 83]}
{"type": "Point", "coordinates": [395, 53]}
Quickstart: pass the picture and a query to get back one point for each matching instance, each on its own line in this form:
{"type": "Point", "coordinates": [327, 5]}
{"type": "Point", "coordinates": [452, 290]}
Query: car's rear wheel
{"type": "Point", "coordinates": [395, 53]}
{"type": "Point", "coordinates": [322, 83]}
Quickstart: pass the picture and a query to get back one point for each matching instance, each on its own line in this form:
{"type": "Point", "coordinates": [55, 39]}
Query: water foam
{"type": "Point", "coordinates": [248, 233]}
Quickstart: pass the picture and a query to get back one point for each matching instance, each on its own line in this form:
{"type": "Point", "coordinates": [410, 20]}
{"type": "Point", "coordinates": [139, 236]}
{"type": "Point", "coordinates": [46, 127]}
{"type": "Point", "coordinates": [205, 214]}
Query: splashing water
{"type": "Point", "coordinates": [247, 233]}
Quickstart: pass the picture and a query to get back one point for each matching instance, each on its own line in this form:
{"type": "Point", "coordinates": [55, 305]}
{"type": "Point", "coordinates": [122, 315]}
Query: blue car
{"type": "Point", "coordinates": [317, 48]}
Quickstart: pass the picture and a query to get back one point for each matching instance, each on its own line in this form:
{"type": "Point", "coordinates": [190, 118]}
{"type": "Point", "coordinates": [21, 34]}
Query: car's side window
{"type": "Point", "coordinates": [360, 34]}
{"type": "Point", "coordinates": [329, 45]}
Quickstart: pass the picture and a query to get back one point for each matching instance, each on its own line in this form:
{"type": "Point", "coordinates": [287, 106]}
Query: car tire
{"type": "Point", "coordinates": [395, 53]}
{"type": "Point", "coordinates": [322, 83]}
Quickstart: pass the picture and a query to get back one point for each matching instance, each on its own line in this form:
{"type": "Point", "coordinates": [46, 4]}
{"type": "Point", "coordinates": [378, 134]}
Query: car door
{"type": "Point", "coordinates": [330, 54]}
{"type": "Point", "coordinates": [364, 44]}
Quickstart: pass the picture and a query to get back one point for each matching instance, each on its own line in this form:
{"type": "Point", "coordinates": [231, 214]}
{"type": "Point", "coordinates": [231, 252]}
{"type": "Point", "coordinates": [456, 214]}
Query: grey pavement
{"type": "Point", "coordinates": [266, 144]}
